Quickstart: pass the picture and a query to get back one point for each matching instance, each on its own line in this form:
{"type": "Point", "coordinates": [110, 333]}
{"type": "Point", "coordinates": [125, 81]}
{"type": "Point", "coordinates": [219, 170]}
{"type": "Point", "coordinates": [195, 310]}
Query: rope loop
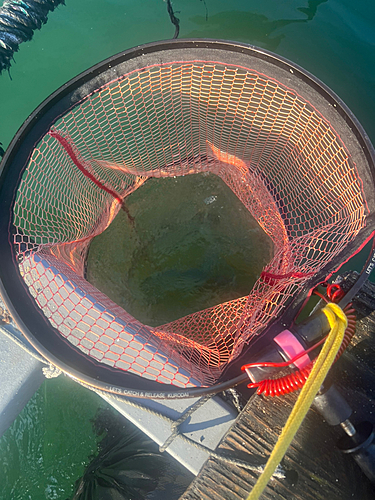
{"type": "Point", "coordinates": [335, 315]}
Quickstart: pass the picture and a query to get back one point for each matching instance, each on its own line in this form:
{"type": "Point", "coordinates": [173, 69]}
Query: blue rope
{"type": "Point", "coordinates": [18, 21]}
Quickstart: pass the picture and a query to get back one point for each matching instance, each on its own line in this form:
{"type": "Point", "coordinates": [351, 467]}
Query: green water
{"type": "Point", "coordinates": [45, 450]}
{"type": "Point", "coordinates": [193, 246]}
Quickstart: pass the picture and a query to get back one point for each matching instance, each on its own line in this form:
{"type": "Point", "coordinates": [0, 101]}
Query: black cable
{"type": "Point", "coordinates": [18, 21]}
{"type": "Point", "coordinates": [167, 392]}
{"type": "Point", "coordinates": [174, 19]}
{"type": "Point", "coordinates": [206, 8]}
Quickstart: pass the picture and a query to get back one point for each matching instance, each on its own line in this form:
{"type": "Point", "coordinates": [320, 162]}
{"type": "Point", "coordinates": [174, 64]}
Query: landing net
{"type": "Point", "coordinates": [269, 142]}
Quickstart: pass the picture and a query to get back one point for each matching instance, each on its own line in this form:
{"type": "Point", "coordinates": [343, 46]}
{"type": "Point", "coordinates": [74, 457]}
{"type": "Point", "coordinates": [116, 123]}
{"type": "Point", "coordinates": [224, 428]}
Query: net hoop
{"type": "Point", "coordinates": [34, 325]}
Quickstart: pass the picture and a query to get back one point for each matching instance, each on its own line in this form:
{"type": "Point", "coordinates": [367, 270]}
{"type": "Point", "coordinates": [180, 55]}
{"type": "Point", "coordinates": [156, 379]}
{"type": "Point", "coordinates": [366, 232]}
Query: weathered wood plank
{"type": "Point", "coordinates": [323, 472]}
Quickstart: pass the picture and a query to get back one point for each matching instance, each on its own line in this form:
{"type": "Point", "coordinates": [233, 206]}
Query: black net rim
{"type": "Point", "coordinates": [31, 321]}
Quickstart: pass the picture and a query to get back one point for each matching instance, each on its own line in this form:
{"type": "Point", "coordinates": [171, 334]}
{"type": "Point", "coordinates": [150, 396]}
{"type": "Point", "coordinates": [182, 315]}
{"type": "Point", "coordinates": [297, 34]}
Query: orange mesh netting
{"type": "Point", "coordinates": [270, 146]}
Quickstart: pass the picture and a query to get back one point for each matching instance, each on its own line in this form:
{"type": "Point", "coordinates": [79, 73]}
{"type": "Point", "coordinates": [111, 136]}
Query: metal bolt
{"type": "Point", "coordinates": [348, 427]}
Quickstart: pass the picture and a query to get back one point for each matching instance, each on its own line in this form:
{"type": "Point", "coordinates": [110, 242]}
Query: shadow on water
{"type": "Point", "coordinates": [129, 465]}
{"type": "Point", "coordinates": [249, 27]}
{"type": "Point", "coordinates": [311, 8]}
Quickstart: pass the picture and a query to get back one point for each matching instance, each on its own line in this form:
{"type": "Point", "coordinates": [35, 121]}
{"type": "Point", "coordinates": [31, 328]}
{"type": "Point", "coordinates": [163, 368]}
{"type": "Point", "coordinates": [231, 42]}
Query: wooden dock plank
{"type": "Point", "coordinates": [322, 471]}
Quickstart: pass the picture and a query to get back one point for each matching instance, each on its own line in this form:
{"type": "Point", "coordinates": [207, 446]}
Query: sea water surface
{"type": "Point", "coordinates": [48, 446]}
